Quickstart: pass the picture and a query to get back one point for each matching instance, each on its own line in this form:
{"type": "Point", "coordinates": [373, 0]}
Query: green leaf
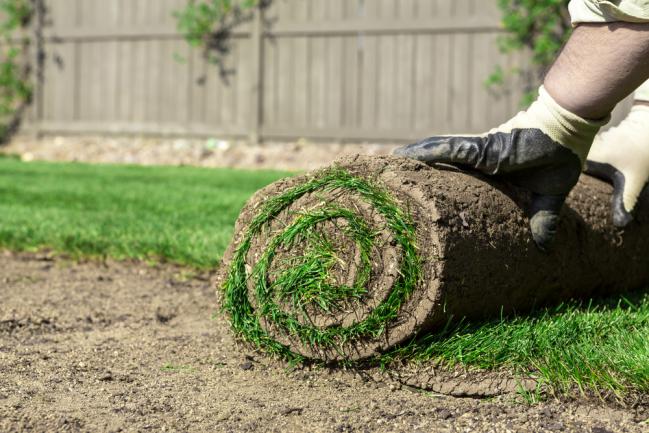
{"type": "Point", "coordinates": [535, 25]}
{"type": "Point", "coordinates": [15, 89]}
{"type": "Point", "coordinates": [197, 21]}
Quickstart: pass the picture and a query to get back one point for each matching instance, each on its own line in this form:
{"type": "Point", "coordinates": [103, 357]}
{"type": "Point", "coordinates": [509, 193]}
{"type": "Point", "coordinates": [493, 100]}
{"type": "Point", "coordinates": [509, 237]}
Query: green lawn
{"type": "Point", "coordinates": [186, 215]}
{"type": "Point", "coordinates": [181, 214]}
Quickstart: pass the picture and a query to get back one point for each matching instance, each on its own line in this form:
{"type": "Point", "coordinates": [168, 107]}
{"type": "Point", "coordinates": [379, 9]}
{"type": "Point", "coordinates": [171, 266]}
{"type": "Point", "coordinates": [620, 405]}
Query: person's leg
{"type": "Point", "coordinates": [621, 156]}
{"type": "Point", "coordinates": [544, 148]}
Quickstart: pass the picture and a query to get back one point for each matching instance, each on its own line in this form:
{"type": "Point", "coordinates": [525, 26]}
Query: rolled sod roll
{"type": "Point", "coordinates": [347, 262]}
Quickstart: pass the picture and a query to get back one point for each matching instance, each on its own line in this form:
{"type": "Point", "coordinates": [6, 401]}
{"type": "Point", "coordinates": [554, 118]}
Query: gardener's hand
{"type": "Point", "coordinates": [621, 157]}
{"type": "Point", "coordinates": [541, 150]}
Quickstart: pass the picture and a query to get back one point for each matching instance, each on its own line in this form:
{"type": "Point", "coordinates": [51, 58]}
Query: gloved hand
{"type": "Point", "coordinates": [542, 150]}
{"type": "Point", "coordinates": [621, 157]}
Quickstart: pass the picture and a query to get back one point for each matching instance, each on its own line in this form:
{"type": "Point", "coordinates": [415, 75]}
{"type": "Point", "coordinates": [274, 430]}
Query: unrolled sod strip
{"type": "Point", "coordinates": [350, 261]}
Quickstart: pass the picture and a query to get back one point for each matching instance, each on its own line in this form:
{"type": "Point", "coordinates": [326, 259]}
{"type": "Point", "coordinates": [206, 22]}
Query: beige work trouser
{"type": "Point", "coordinates": [606, 11]}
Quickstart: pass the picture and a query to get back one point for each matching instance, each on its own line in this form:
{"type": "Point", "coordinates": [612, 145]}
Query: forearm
{"type": "Point", "coordinates": [601, 65]}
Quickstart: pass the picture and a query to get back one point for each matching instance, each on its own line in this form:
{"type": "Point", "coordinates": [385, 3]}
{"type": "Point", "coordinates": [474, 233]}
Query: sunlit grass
{"type": "Point", "coordinates": [179, 214]}
{"type": "Point", "coordinates": [591, 348]}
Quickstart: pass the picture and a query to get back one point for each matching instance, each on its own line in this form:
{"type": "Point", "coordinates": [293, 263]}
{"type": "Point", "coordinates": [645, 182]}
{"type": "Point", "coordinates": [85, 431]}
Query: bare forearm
{"type": "Point", "coordinates": [601, 65]}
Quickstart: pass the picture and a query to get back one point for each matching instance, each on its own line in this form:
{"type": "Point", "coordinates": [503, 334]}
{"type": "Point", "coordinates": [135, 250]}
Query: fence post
{"type": "Point", "coordinates": [257, 75]}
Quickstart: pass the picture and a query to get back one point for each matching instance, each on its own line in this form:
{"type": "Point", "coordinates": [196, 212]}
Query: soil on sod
{"type": "Point", "coordinates": [129, 347]}
{"type": "Point", "coordinates": [424, 246]}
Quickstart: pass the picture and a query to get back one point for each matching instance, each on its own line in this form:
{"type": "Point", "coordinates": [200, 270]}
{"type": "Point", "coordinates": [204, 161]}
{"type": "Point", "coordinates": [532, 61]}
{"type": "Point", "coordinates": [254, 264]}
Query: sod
{"type": "Point", "coordinates": [349, 262]}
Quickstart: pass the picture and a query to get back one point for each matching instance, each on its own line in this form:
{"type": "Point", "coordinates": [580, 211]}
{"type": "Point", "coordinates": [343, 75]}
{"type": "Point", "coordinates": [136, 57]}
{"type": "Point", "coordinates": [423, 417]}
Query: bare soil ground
{"type": "Point", "coordinates": [132, 347]}
{"type": "Point", "coordinates": [296, 155]}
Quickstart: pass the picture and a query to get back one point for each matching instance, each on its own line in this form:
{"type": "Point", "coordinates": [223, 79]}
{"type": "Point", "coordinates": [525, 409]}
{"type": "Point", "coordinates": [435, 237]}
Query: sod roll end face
{"type": "Point", "coordinates": [346, 263]}
{"type": "Point", "coordinates": [324, 266]}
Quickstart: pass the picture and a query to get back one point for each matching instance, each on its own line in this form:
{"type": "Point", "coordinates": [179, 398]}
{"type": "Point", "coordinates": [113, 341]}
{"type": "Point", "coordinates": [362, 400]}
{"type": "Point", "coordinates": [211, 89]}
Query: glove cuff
{"type": "Point", "coordinates": [642, 94]}
{"type": "Point", "coordinates": [564, 127]}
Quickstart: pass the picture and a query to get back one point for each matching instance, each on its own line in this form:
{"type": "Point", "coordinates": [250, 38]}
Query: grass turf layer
{"type": "Point", "coordinates": [186, 215]}
{"type": "Point", "coordinates": [246, 320]}
{"type": "Point", "coordinates": [593, 347]}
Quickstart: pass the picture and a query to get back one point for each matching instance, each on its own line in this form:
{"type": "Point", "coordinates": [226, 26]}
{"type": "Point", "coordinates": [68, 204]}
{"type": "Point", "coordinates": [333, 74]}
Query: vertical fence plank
{"type": "Point", "coordinates": [255, 72]}
{"type": "Point", "coordinates": [318, 70]}
{"type": "Point", "coordinates": [424, 98]}
{"type": "Point", "coordinates": [285, 88]}
{"type": "Point", "coordinates": [196, 86]}
{"type": "Point", "coordinates": [269, 78]}
{"type": "Point", "coordinates": [369, 46]}
{"type": "Point", "coordinates": [229, 99]}
{"type": "Point", "coordinates": [300, 109]}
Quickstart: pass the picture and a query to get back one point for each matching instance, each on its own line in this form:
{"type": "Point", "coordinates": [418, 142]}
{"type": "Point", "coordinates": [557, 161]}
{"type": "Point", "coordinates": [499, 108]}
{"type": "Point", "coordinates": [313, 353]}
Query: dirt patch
{"type": "Point", "coordinates": [296, 155]}
{"type": "Point", "coordinates": [130, 347]}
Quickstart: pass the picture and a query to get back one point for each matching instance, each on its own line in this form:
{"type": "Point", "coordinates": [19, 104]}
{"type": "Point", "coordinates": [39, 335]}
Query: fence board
{"type": "Point", "coordinates": [335, 69]}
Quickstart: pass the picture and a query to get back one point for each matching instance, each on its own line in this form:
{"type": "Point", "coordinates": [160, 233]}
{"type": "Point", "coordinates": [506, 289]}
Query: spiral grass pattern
{"type": "Point", "coordinates": [318, 264]}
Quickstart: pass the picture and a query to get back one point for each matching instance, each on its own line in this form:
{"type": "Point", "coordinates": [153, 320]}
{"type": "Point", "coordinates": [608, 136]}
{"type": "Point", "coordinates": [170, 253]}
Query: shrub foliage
{"type": "Point", "coordinates": [207, 23]}
{"type": "Point", "coordinates": [15, 89]}
{"type": "Point", "coordinates": [540, 26]}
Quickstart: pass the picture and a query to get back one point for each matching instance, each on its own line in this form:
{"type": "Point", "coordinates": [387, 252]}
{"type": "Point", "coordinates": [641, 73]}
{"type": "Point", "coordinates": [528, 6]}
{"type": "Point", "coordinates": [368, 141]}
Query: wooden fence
{"type": "Point", "coordinates": [353, 70]}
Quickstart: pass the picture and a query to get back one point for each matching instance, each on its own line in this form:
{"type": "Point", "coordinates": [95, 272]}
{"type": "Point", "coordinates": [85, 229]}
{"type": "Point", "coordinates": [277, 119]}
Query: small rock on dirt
{"type": "Point", "coordinates": [292, 411]}
{"type": "Point", "coordinates": [164, 315]}
{"type": "Point", "coordinates": [247, 366]}
{"type": "Point", "coordinates": [106, 376]}
{"type": "Point", "coordinates": [555, 426]}
{"type": "Point", "coordinates": [444, 414]}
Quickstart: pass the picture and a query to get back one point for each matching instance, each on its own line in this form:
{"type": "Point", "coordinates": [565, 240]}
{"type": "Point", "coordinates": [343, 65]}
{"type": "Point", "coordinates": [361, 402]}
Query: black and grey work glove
{"type": "Point", "coordinates": [542, 150]}
{"type": "Point", "coordinates": [621, 157]}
